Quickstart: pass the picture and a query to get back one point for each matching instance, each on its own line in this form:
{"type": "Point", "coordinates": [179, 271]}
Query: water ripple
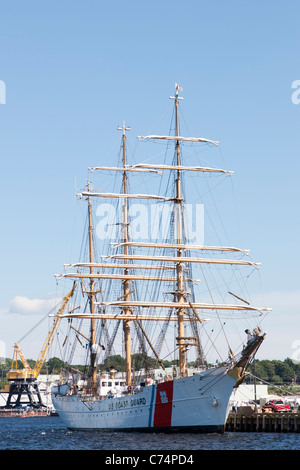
{"type": "Point", "coordinates": [48, 433]}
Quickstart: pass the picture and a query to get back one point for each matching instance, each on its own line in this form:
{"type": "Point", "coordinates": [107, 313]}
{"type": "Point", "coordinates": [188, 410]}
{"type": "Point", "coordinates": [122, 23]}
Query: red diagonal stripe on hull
{"type": "Point", "coordinates": [163, 404]}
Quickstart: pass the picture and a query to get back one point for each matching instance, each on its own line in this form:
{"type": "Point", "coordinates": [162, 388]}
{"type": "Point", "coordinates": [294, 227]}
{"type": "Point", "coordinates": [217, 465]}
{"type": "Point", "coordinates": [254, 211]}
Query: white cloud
{"type": "Point", "coordinates": [25, 306]}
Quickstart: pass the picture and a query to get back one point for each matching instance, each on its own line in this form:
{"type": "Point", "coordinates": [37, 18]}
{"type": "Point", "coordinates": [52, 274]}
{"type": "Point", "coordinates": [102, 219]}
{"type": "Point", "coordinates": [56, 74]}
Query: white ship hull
{"type": "Point", "coordinates": [198, 403]}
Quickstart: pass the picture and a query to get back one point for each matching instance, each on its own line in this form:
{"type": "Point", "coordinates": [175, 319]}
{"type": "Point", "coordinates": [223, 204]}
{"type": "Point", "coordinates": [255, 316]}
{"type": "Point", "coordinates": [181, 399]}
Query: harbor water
{"type": "Point", "coordinates": [49, 433]}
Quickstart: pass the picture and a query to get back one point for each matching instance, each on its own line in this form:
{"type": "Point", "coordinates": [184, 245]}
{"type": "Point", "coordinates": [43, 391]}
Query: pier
{"type": "Point", "coordinates": [263, 422]}
{"type": "Point", "coordinates": [22, 413]}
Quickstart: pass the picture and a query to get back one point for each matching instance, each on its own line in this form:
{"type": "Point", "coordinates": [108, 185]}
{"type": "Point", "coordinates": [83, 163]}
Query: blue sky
{"type": "Point", "coordinates": [75, 70]}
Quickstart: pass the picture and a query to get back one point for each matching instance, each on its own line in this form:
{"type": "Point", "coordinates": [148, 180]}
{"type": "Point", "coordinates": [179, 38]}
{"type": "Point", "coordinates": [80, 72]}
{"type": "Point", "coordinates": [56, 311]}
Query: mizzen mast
{"type": "Point", "coordinates": [92, 298]}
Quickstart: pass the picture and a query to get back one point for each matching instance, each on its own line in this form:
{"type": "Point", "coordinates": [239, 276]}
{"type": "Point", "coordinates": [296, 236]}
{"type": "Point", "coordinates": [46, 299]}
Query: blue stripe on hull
{"type": "Point", "coordinates": [151, 406]}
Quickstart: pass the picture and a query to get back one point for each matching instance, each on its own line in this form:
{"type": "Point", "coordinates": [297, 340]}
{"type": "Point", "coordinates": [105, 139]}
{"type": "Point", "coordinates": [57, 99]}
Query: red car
{"type": "Point", "coordinates": [276, 405]}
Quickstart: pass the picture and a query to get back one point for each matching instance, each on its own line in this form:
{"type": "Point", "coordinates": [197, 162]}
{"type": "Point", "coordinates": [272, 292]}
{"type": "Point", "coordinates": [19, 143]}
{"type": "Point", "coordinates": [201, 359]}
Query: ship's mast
{"type": "Point", "coordinates": [180, 303]}
{"type": "Point", "coordinates": [126, 323]}
{"type": "Point", "coordinates": [92, 298]}
{"type": "Point", "coordinates": [178, 207]}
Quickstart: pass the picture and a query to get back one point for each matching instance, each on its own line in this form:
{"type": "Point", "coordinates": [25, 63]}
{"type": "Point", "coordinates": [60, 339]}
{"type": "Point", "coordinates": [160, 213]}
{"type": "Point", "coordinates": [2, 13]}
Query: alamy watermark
{"type": "Point", "coordinates": [2, 92]}
{"type": "Point", "coordinates": [2, 352]}
{"type": "Point", "coordinates": [296, 95]}
{"type": "Point", "coordinates": [154, 222]}
{"type": "Point", "coordinates": [296, 354]}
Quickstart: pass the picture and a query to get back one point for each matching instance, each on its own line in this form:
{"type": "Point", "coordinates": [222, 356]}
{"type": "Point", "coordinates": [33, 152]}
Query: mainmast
{"type": "Point", "coordinates": [127, 311]}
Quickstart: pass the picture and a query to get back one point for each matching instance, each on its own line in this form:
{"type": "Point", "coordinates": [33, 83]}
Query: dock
{"type": "Point", "coordinates": [263, 422]}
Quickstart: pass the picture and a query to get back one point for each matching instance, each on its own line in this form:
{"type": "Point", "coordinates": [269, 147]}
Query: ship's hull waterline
{"type": "Point", "coordinates": [198, 403]}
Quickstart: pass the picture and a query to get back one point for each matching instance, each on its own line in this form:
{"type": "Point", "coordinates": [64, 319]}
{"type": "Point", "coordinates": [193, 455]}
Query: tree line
{"type": "Point", "coordinates": [268, 371]}
{"type": "Point", "coordinates": [276, 372]}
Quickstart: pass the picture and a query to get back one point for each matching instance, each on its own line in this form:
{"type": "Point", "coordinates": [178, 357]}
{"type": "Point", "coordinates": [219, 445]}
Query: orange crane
{"type": "Point", "coordinates": [19, 374]}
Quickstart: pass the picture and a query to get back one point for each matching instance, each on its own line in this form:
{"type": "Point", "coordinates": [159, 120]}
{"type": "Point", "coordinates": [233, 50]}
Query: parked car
{"type": "Point", "coordinates": [276, 405]}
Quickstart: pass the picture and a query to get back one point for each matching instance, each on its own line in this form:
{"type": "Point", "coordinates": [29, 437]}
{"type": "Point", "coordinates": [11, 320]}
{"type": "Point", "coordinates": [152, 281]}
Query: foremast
{"type": "Point", "coordinates": [126, 296]}
{"type": "Point", "coordinates": [180, 294]}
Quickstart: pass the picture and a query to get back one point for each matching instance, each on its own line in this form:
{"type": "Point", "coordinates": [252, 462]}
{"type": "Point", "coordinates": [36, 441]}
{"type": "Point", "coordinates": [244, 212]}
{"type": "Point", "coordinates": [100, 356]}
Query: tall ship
{"type": "Point", "coordinates": [145, 291]}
